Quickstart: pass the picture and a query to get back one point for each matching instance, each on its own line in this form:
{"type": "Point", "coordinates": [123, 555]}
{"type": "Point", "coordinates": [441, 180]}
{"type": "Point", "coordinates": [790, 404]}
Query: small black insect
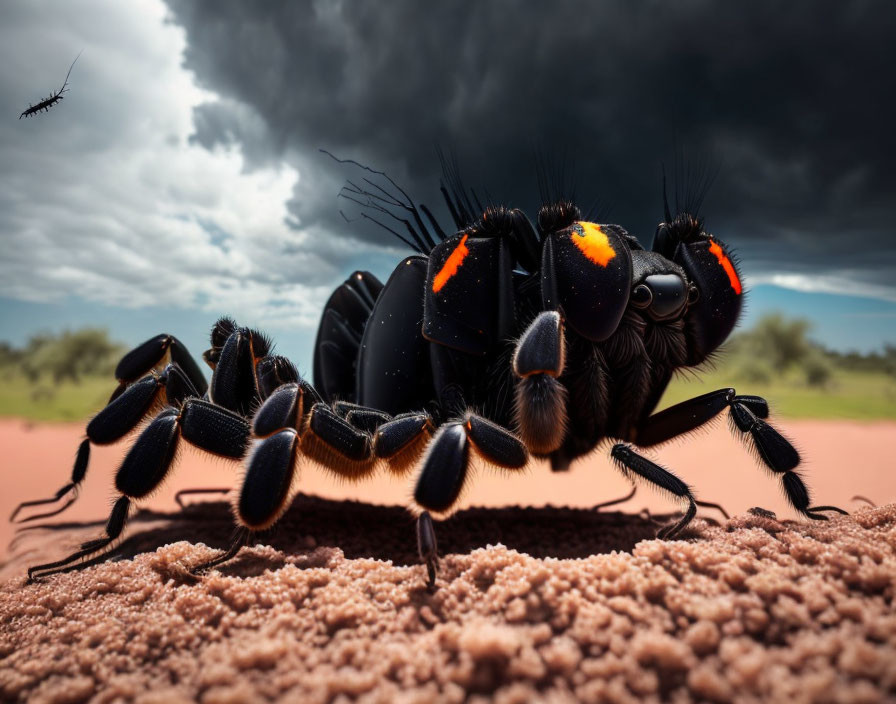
{"type": "Point", "coordinates": [45, 105]}
{"type": "Point", "coordinates": [504, 341]}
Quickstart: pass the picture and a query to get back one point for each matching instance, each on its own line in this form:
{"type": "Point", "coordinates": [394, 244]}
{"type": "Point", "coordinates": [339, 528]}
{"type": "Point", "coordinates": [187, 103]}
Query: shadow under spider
{"type": "Point", "coordinates": [379, 532]}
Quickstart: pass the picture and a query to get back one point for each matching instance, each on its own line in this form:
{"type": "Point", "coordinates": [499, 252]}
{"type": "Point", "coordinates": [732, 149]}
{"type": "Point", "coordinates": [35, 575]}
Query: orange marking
{"type": "Point", "coordinates": [451, 265]}
{"type": "Point", "coordinates": [593, 243]}
{"type": "Point", "coordinates": [715, 249]}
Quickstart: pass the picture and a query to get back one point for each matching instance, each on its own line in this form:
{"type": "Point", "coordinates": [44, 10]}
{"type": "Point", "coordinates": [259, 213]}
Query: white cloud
{"type": "Point", "coordinates": [107, 198]}
{"type": "Point", "coordinates": [846, 283]}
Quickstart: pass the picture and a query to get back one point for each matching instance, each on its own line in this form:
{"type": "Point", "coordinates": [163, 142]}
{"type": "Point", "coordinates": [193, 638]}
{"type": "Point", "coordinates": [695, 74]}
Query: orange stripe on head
{"type": "Point", "coordinates": [719, 253]}
{"type": "Point", "coordinates": [451, 265]}
{"type": "Point", "coordinates": [593, 243]}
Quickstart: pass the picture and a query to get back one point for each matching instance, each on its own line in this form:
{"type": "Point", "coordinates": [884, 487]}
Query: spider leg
{"type": "Point", "coordinates": [717, 507]}
{"type": "Point", "coordinates": [336, 444]}
{"type": "Point", "coordinates": [401, 441]}
{"type": "Point", "coordinates": [427, 547]}
{"type": "Point", "coordinates": [620, 500]}
{"type": "Point", "coordinates": [748, 414]}
{"type": "Point", "coordinates": [240, 378]}
{"type": "Point", "coordinates": [540, 398]}
{"type": "Point", "coordinates": [240, 539]}
{"type": "Point", "coordinates": [361, 417]}
{"type": "Point", "coordinates": [200, 423]}
{"type": "Point", "coordinates": [284, 436]}
{"type": "Point", "coordinates": [179, 496]}
{"type": "Point", "coordinates": [443, 471]}
{"type": "Point", "coordinates": [444, 468]}
{"type": "Point", "coordinates": [144, 357]}
{"type": "Point", "coordinates": [116, 420]}
{"type": "Point", "coordinates": [631, 462]}
{"type": "Point", "coordinates": [244, 373]}
{"type": "Point", "coordinates": [114, 527]}
{"type": "Point", "coordinates": [49, 514]}
{"type": "Point", "coordinates": [150, 458]}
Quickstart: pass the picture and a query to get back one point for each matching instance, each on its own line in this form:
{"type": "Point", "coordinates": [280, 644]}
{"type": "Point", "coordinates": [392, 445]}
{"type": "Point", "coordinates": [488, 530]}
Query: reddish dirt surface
{"type": "Point", "coordinates": [573, 606]}
{"type": "Point", "coordinates": [841, 459]}
{"type": "Point", "coordinates": [532, 604]}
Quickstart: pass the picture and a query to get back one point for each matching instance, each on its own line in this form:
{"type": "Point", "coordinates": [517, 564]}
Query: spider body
{"type": "Point", "coordinates": [502, 341]}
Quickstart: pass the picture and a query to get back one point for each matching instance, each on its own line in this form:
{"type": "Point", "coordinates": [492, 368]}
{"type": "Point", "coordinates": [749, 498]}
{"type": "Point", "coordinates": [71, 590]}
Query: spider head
{"type": "Point", "coordinates": [714, 288]}
{"type": "Point", "coordinates": [660, 288]}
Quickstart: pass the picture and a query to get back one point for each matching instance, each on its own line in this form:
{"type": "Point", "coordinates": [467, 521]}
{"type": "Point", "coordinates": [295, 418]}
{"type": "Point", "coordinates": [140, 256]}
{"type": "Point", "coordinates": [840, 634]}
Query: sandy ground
{"type": "Point", "coordinates": [841, 459]}
{"type": "Point", "coordinates": [533, 604]}
{"type": "Point", "coordinates": [574, 605]}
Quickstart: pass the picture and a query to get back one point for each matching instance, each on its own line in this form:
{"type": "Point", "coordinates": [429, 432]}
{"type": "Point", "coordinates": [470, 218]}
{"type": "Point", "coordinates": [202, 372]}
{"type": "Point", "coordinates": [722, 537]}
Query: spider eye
{"type": "Point", "coordinates": [693, 294]}
{"type": "Point", "coordinates": [641, 296]}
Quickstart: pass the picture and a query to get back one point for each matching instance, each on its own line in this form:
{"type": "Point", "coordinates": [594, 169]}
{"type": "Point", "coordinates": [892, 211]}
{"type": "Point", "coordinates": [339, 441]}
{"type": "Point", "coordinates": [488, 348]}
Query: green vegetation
{"type": "Point", "coordinates": [847, 394]}
{"type": "Point", "coordinates": [799, 378]}
{"type": "Point", "coordinates": [45, 401]}
{"type": "Point", "coordinates": [58, 377]}
{"type": "Point", "coordinates": [68, 377]}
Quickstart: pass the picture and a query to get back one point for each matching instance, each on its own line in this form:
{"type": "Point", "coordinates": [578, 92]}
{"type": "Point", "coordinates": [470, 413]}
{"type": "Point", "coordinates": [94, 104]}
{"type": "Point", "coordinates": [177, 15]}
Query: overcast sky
{"type": "Point", "coordinates": [180, 177]}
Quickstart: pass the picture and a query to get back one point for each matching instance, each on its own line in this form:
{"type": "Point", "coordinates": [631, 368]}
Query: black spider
{"type": "Point", "coordinates": [504, 340]}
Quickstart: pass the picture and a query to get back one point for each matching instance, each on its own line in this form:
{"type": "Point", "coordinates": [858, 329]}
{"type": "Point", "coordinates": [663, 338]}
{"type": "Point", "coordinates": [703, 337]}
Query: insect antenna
{"type": "Point", "coordinates": [412, 245]}
{"type": "Point", "coordinates": [455, 193]}
{"type": "Point", "coordinates": [556, 177]}
{"type": "Point", "coordinates": [694, 177]}
{"type": "Point", "coordinates": [666, 214]}
{"type": "Point", "coordinates": [65, 82]}
{"type": "Point", "coordinates": [45, 105]}
{"type": "Point", "coordinates": [373, 196]}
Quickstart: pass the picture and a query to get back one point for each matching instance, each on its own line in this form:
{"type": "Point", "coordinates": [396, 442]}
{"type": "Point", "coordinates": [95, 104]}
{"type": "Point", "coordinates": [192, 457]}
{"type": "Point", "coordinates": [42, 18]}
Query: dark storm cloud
{"type": "Point", "coordinates": [795, 101]}
{"type": "Point", "coordinates": [103, 198]}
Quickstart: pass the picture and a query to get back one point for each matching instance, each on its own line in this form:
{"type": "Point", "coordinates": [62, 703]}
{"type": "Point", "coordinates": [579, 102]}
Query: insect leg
{"type": "Point", "coordinates": [270, 469]}
{"type": "Point", "coordinates": [427, 547]}
{"type": "Point", "coordinates": [336, 444]}
{"type": "Point", "coordinates": [401, 440]}
{"type": "Point", "coordinates": [115, 525]}
{"type": "Point", "coordinates": [748, 414]}
{"type": "Point", "coordinates": [780, 457]}
{"type": "Point", "coordinates": [144, 357]}
{"type": "Point", "coordinates": [179, 496]}
{"type": "Point", "coordinates": [284, 432]}
{"type": "Point", "coordinates": [443, 471]}
{"type": "Point", "coordinates": [115, 421]}
{"type": "Point", "coordinates": [149, 460]}
{"type": "Point", "coordinates": [540, 398]}
{"type": "Point", "coordinates": [631, 463]}
{"type": "Point", "coordinates": [240, 539]}
{"type": "Point", "coordinates": [444, 468]}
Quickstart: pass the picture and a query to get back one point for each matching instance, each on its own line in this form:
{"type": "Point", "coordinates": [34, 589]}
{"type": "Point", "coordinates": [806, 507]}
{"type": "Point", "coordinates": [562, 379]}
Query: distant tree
{"type": "Point", "coordinates": [872, 362]}
{"type": "Point", "coordinates": [889, 359]}
{"type": "Point", "coordinates": [782, 341]}
{"type": "Point", "coordinates": [71, 355]}
{"type": "Point", "coordinates": [777, 344]}
{"type": "Point", "coordinates": [9, 356]}
{"type": "Point", "coordinates": [817, 368]}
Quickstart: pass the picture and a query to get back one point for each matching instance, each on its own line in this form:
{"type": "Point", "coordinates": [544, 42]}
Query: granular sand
{"type": "Point", "coordinates": [564, 605]}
